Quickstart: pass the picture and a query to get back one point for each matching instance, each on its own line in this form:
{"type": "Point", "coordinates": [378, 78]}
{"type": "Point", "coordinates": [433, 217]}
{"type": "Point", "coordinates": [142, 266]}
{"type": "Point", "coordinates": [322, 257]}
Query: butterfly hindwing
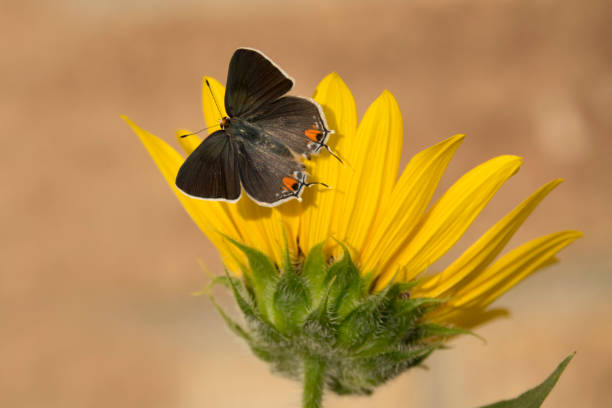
{"type": "Point", "coordinates": [297, 122]}
{"type": "Point", "coordinates": [253, 81]}
{"type": "Point", "coordinates": [211, 170]}
{"type": "Point", "coordinates": [264, 170]}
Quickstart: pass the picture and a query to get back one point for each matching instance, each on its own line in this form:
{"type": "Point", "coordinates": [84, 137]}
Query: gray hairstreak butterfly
{"type": "Point", "coordinates": [260, 141]}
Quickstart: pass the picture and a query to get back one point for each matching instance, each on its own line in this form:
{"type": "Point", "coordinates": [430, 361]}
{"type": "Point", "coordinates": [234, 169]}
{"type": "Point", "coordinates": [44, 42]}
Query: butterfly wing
{"type": "Point", "coordinates": [268, 170]}
{"type": "Point", "coordinates": [297, 122]}
{"type": "Point", "coordinates": [253, 81]}
{"type": "Point", "coordinates": [211, 170]}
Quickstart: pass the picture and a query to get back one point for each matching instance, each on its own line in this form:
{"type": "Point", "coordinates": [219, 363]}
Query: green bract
{"type": "Point", "coordinates": [324, 311]}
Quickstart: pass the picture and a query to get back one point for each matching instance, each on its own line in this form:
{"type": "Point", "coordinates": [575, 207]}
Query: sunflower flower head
{"type": "Point", "coordinates": [336, 290]}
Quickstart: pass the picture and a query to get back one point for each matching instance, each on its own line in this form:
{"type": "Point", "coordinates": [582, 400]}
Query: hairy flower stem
{"type": "Point", "coordinates": [314, 373]}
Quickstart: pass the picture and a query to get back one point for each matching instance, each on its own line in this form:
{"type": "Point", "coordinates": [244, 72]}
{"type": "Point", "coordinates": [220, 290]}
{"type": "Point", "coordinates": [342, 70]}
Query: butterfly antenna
{"type": "Point", "coordinates": [199, 131]}
{"type": "Point", "coordinates": [213, 96]}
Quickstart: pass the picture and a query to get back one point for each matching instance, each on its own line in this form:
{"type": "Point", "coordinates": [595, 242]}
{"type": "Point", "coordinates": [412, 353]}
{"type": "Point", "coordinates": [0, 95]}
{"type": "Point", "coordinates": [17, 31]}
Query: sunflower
{"type": "Point", "coordinates": [345, 274]}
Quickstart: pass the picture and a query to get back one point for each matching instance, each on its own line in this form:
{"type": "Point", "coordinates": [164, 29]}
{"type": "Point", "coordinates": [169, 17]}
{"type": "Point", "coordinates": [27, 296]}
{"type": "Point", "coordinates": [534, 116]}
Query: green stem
{"type": "Point", "coordinates": [314, 374]}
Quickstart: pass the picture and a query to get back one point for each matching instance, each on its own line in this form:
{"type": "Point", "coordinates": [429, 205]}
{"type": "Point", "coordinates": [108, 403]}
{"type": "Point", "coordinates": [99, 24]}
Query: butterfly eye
{"type": "Point", "coordinates": [313, 134]}
{"type": "Point", "coordinates": [224, 122]}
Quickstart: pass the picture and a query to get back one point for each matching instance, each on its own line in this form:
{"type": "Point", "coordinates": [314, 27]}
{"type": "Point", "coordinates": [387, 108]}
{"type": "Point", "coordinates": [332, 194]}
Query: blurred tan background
{"type": "Point", "coordinates": [99, 260]}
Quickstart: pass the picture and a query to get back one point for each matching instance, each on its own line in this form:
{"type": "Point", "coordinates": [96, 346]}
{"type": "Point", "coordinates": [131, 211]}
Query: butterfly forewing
{"type": "Point", "coordinates": [295, 121]}
{"type": "Point", "coordinates": [252, 81]}
{"type": "Point", "coordinates": [211, 170]}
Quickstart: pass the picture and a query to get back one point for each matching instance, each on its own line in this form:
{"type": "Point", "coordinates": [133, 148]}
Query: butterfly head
{"type": "Point", "coordinates": [224, 122]}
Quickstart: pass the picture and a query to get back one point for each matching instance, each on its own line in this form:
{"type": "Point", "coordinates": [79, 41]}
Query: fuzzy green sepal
{"type": "Point", "coordinates": [326, 312]}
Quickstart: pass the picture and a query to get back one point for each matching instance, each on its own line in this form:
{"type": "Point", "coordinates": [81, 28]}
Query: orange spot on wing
{"type": "Point", "coordinates": [289, 184]}
{"type": "Point", "coordinates": [313, 134]}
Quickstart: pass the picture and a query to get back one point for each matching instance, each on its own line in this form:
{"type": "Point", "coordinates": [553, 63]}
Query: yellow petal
{"type": "Point", "coordinates": [448, 219]}
{"type": "Point", "coordinates": [486, 249]}
{"type": "Point", "coordinates": [374, 158]}
{"type": "Point", "coordinates": [212, 105]}
{"type": "Point", "coordinates": [409, 200]}
{"type": "Point", "coordinates": [208, 215]}
{"type": "Point", "coordinates": [341, 114]}
{"type": "Point", "coordinates": [262, 227]}
{"type": "Point", "coordinates": [512, 268]}
{"type": "Point", "coordinates": [290, 213]}
{"type": "Point", "coordinates": [340, 111]}
{"type": "Point", "coordinates": [472, 314]}
{"type": "Point", "coordinates": [465, 318]}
